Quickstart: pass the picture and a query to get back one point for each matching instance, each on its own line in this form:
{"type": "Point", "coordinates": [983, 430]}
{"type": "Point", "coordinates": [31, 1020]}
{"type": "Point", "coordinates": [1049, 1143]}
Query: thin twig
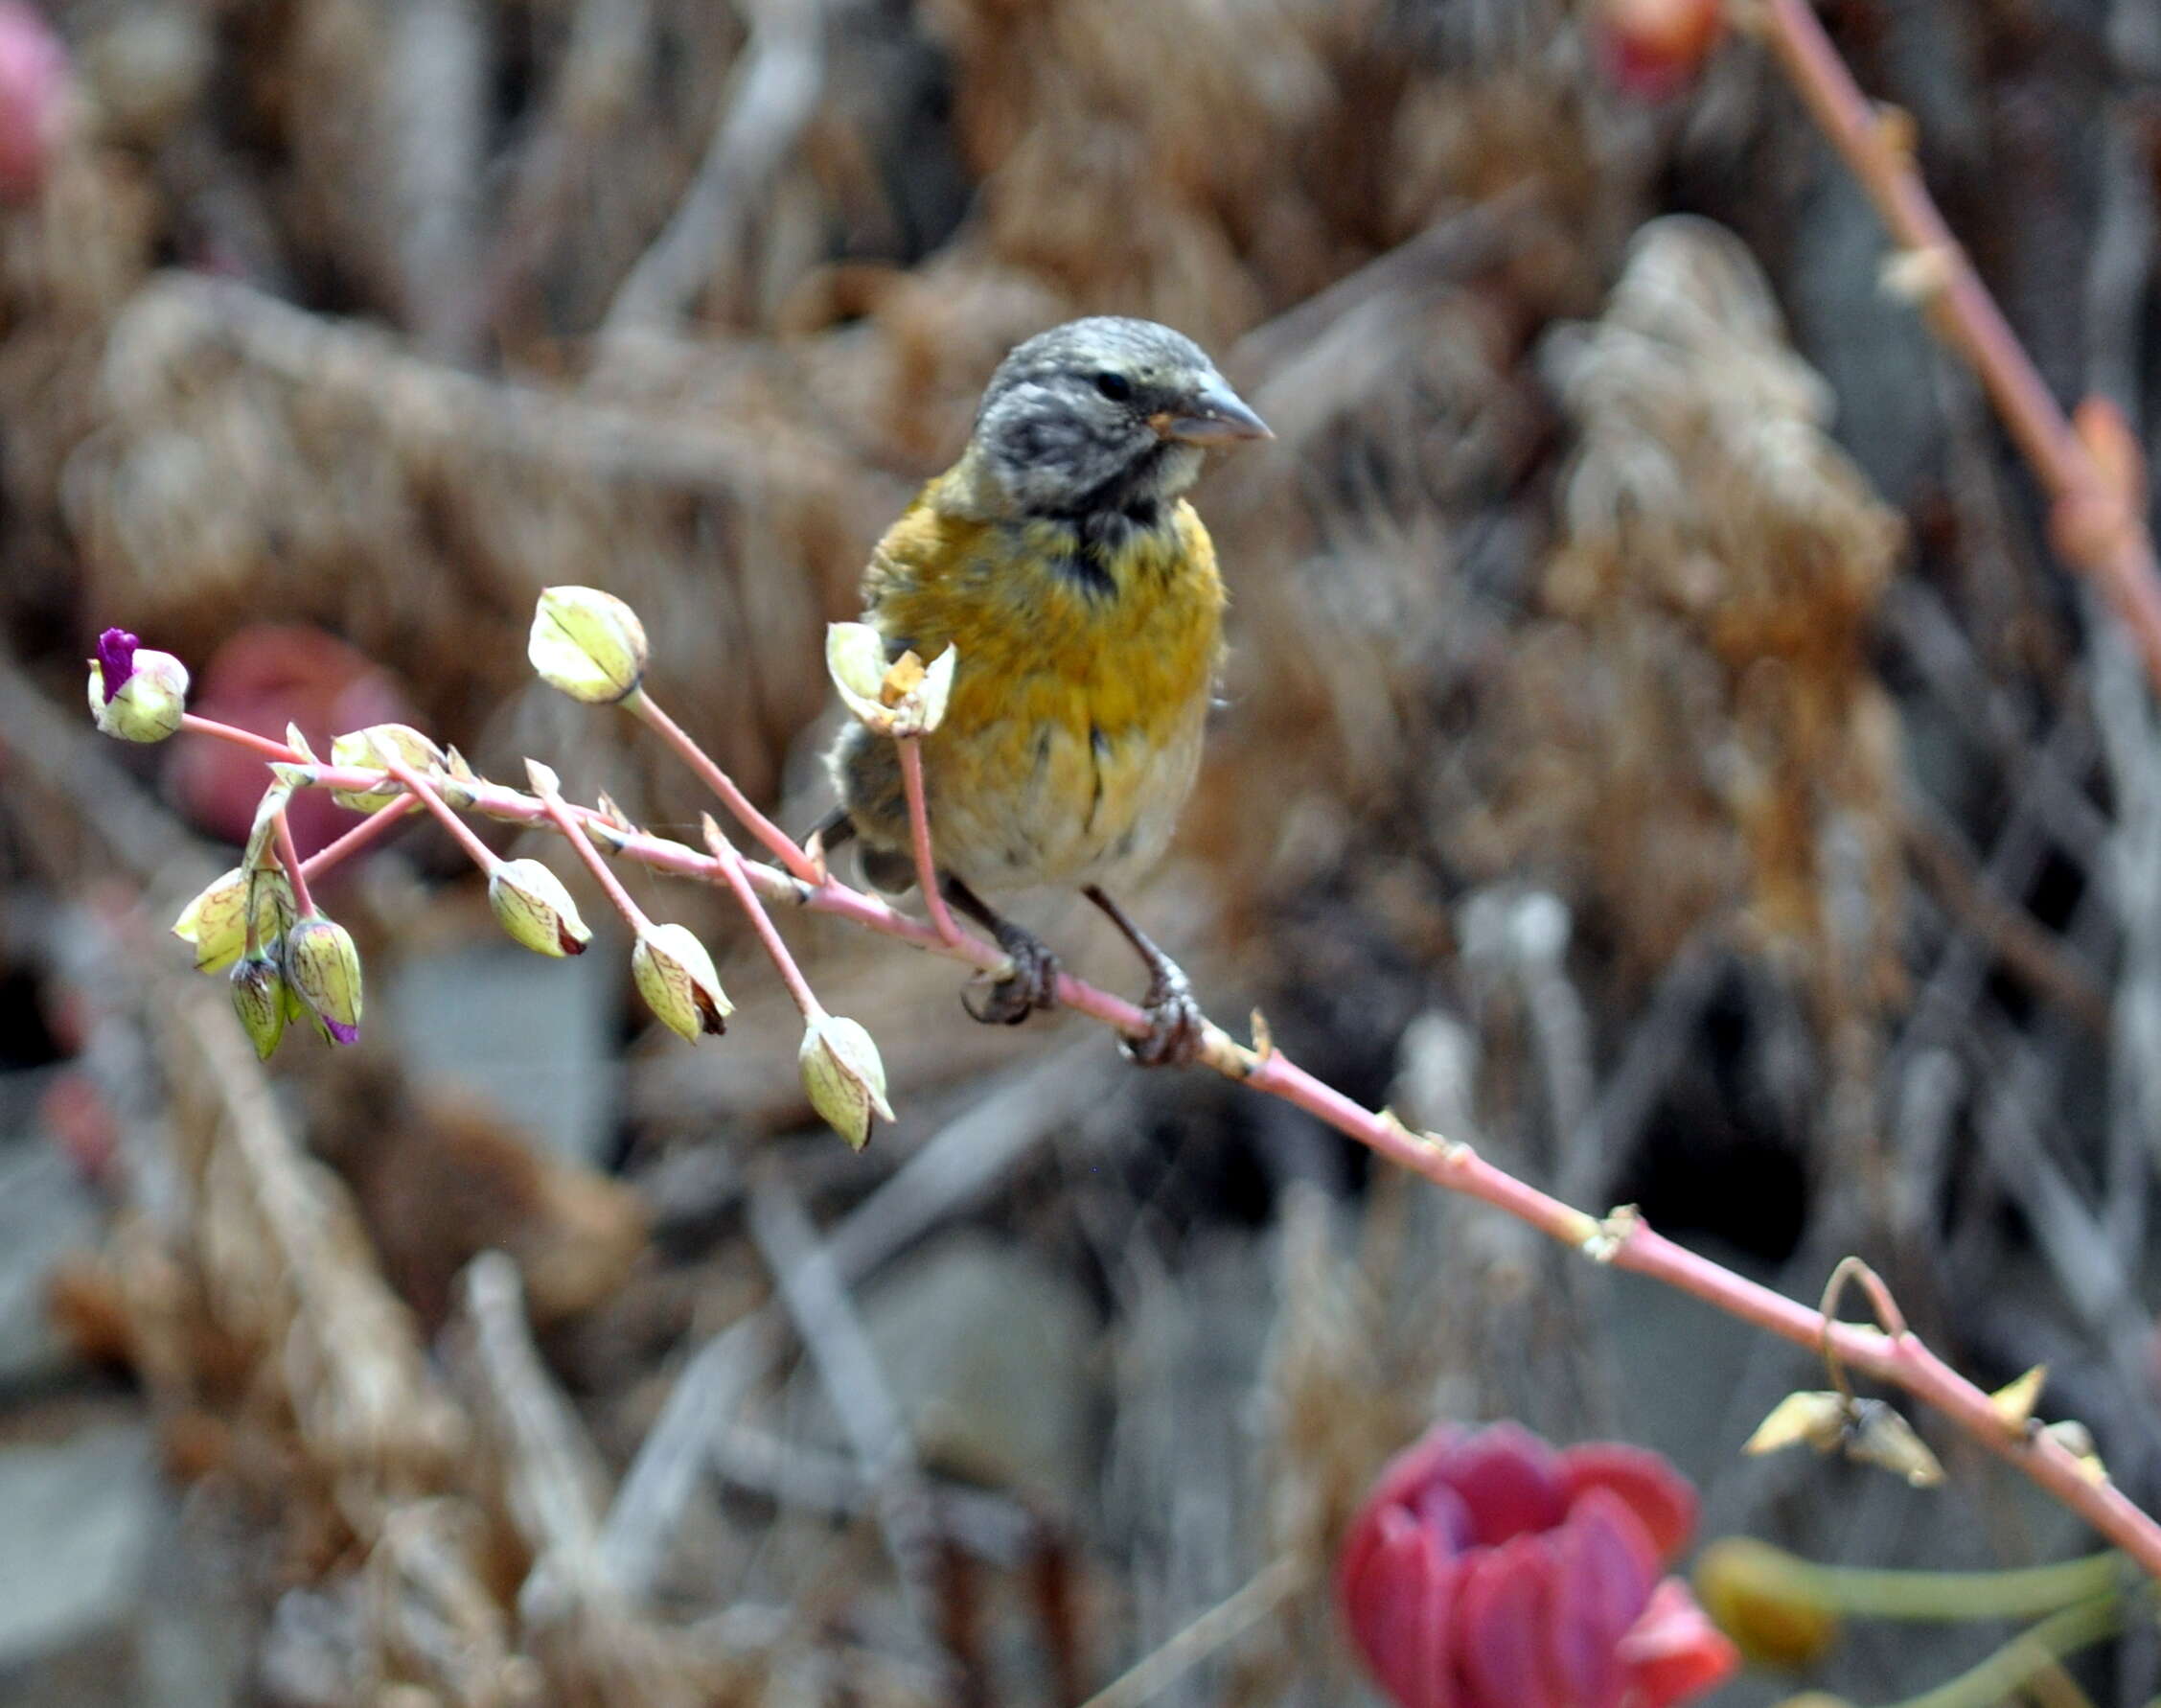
{"type": "Point", "coordinates": [818, 1300]}
{"type": "Point", "coordinates": [1229, 1619]}
{"type": "Point", "coordinates": [774, 99]}
{"type": "Point", "coordinates": [2117, 556]}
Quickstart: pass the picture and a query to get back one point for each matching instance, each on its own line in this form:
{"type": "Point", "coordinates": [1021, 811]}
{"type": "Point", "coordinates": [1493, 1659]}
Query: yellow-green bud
{"type": "Point", "coordinates": [532, 906]}
{"type": "Point", "coordinates": [323, 968]}
{"type": "Point", "coordinates": [216, 923]}
{"type": "Point", "coordinates": [588, 643]}
{"type": "Point", "coordinates": [675, 977]}
{"type": "Point", "coordinates": [843, 1077]}
{"type": "Point", "coordinates": [1762, 1597]}
{"type": "Point", "coordinates": [904, 697]}
{"type": "Point", "coordinates": [366, 748]}
{"type": "Point", "coordinates": [259, 998]}
{"type": "Point", "coordinates": [136, 693]}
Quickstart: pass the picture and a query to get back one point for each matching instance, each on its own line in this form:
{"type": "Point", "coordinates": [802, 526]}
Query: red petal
{"type": "Point", "coordinates": [1658, 1494]}
{"type": "Point", "coordinates": [1603, 1569]}
{"type": "Point", "coordinates": [1674, 1651]}
{"type": "Point", "coordinates": [1399, 1486]}
{"type": "Point", "coordinates": [1509, 1480]}
{"type": "Point", "coordinates": [1503, 1606]}
{"type": "Point", "coordinates": [1398, 1605]}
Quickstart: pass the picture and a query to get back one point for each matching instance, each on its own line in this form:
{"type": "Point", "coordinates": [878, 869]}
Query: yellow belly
{"type": "Point", "coordinates": [1073, 733]}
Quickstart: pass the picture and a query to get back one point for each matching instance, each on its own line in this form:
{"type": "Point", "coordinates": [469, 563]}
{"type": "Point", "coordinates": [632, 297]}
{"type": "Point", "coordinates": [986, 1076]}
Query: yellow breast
{"type": "Point", "coordinates": [1074, 732]}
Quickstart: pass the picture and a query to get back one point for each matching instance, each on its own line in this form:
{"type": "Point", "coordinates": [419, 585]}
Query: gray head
{"type": "Point", "coordinates": [1104, 414]}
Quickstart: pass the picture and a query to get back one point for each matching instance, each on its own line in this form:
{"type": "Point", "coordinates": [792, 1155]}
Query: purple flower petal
{"type": "Point", "coordinates": [1604, 1564]}
{"type": "Point", "coordinates": [1503, 1609]}
{"type": "Point", "coordinates": [338, 1032]}
{"type": "Point", "coordinates": [1507, 1478]}
{"type": "Point", "coordinates": [115, 661]}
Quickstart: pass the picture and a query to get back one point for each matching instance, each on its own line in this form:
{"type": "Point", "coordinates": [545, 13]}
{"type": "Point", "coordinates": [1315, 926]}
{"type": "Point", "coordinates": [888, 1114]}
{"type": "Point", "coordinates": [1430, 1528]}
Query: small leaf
{"type": "Point", "coordinates": [2014, 1402]}
{"type": "Point", "coordinates": [1812, 1417]}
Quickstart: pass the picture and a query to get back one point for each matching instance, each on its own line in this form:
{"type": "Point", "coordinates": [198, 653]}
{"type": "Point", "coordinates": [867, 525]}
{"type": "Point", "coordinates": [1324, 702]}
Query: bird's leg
{"type": "Point", "coordinates": [1033, 982]}
{"type": "Point", "coordinates": [1176, 1024]}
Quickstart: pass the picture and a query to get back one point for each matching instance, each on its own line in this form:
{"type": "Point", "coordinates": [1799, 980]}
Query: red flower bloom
{"type": "Point", "coordinates": [1489, 1571]}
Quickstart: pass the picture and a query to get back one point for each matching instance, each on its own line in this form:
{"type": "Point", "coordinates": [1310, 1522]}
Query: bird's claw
{"type": "Point", "coordinates": [1177, 1028]}
{"type": "Point", "coordinates": [1032, 984]}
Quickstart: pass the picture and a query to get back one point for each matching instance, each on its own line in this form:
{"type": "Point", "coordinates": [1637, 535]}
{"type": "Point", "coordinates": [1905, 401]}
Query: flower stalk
{"type": "Point", "coordinates": [730, 865]}
{"type": "Point", "coordinates": [1902, 1361]}
{"type": "Point", "coordinates": [777, 840]}
{"type": "Point", "coordinates": [919, 838]}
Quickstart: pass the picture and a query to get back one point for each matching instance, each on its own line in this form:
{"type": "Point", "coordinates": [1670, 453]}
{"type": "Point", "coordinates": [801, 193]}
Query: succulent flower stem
{"type": "Point", "coordinates": [1868, 1592]}
{"type": "Point", "coordinates": [2035, 1650]}
{"type": "Point", "coordinates": [775, 839]}
{"type": "Point", "coordinates": [268, 747]}
{"type": "Point", "coordinates": [919, 838]}
{"type": "Point", "coordinates": [559, 813]}
{"type": "Point", "coordinates": [290, 856]}
{"type": "Point", "coordinates": [417, 786]}
{"type": "Point", "coordinates": [769, 935]}
{"type": "Point", "coordinates": [357, 838]}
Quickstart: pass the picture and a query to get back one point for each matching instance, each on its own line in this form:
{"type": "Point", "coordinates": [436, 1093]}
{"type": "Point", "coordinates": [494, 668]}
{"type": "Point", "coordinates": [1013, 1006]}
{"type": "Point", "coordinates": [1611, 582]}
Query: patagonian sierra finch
{"type": "Point", "coordinates": [1060, 557]}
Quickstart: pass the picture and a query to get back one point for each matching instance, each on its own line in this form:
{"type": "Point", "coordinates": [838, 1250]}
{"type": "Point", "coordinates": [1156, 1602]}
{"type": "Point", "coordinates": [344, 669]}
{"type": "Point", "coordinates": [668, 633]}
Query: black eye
{"type": "Point", "coordinates": [1115, 386]}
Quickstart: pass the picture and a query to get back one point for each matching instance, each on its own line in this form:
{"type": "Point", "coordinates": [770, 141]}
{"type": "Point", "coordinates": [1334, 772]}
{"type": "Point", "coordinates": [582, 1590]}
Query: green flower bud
{"type": "Point", "coordinates": [675, 977]}
{"type": "Point", "coordinates": [588, 643]}
{"type": "Point", "coordinates": [259, 998]}
{"type": "Point", "coordinates": [904, 697]}
{"type": "Point", "coordinates": [323, 968]}
{"type": "Point", "coordinates": [532, 906]}
{"type": "Point", "coordinates": [216, 923]}
{"type": "Point", "coordinates": [1762, 1597]}
{"type": "Point", "coordinates": [843, 1077]}
{"type": "Point", "coordinates": [136, 693]}
{"type": "Point", "coordinates": [360, 748]}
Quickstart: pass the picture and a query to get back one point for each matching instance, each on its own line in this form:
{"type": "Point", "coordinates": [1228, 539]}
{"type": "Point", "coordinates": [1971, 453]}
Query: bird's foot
{"type": "Point", "coordinates": [1032, 984]}
{"type": "Point", "coordinates": [1177, 1028]}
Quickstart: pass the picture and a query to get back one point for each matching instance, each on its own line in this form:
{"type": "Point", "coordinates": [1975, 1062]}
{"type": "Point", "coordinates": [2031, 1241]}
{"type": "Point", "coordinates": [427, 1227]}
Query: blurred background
{"type": "Point", "coordinates": [1659, 746]}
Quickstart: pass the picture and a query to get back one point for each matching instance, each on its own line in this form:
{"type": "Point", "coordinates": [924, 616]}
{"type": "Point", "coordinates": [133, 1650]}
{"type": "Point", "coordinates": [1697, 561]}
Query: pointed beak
{"type": "Point", "coordinates": [1214, 415]}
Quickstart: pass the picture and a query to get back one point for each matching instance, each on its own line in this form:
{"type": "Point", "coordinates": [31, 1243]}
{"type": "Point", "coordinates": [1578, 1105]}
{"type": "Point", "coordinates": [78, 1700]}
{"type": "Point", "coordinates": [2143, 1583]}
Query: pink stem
{"type": "Point", "coordinates": [1899, 1360]}
{"type": "Point", "coordinates": [2120, 560]}
{"type": "Point", "coordinates": [554, 809]}
{"type": "Point", "coordinates": [776, 839]}
{"type": "Point", "coordinates": [357, 838]}
{"type": "Point", "coordinates": [919, 835]}
{"type": "Point", "coordinates": [239, 738]}
{"type": "Point", "coordinates": [776, 948]}
{"type": "Point", "coordinates": [422, 791]}
{"type": "Point", "coordinates": [290, 856]}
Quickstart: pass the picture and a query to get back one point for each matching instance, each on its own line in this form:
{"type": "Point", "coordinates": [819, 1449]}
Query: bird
{"type": "Point", "coordinates": [1061, 558]}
